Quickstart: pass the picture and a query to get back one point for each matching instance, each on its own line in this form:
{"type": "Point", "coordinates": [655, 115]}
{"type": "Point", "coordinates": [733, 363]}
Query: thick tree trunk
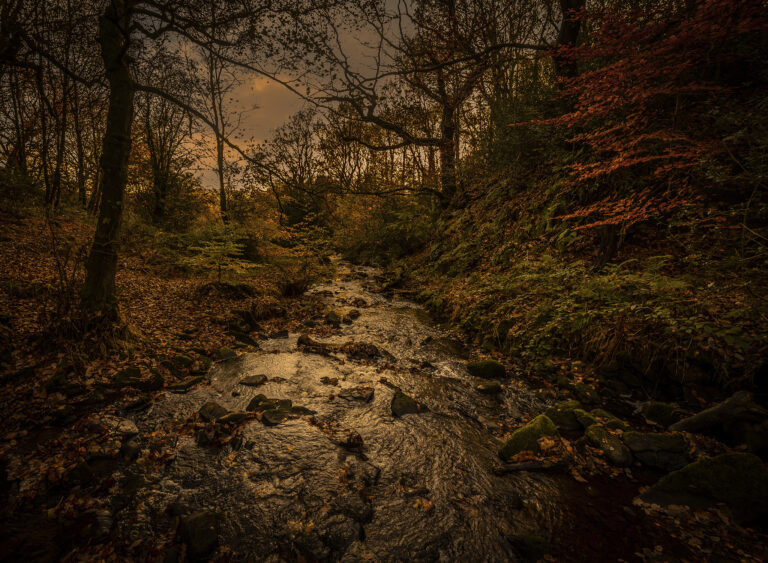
{"type": "Point", "coordinates": [569, 34]}
{"type": "Point", "coordinates": [448, 154]}
{"type": "Point", "coordinates": [98, 297]}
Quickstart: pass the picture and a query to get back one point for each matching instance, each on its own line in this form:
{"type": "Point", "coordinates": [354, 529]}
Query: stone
{"type": "Point", "coordinates": [488, 387]}
{"type": "Point", "coordinates": [609, 420]}
{"type": "Point", "coordinates": [333, 318]}
{"type": "Point", "coordinates": [667, 451]}
{"type": "Point", "coordinates": [123, 427]}
{"type": "Point", "coordinates": [585, 419]}
{"type": "Point", "coordinates": [200, 532]}
{"type": "Point", "coordinates": [127, 377]}
{"type": "Point", "coordinates": [273, 417]}
{"type": "Point", "coordinates": [740, 406]}
{"type": "Point", "coordinates": [739, 480]}
{"type": "Point", "coordinates": [211, 411]}
{"type": "Point", "coordinates": [487, 369]}
{"type": "Point", "coordinates": [616, 452]}
{"type": "Point", "coordinates": [225, 353]}
{"type": "Point", "coordinates": [187, 384]}
{"type": "Point", "coordinates": [181, 361]}
{"type": "Point", "coordinates": [233, 418]}
{"type": "Point", "coordinates": [243, 338]}
{"type": "Point", "coordinates": [564, 416]}
{"type": "Point", "coordinates": [353, 315]}
{"type": "Point", "coordinates": [360, 393]}
{"type": "Point", "coordinates": [663, 414]}
{"type": "Point", "coordinates": [254, 380]}
{"type": "Point", "coordinates": [261, 403]}
{"type": "Point", "coordinates": [527, 438]}
{"type": "Point", "coordinates": [402, 404]}
{"type": "Point", "coordinates": [586, 393]}
{"type": "Point", "coordinates": [361, 350]}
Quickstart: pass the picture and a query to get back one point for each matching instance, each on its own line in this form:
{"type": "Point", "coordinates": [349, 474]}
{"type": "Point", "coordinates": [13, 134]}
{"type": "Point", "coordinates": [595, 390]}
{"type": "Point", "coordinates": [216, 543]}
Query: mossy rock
{"type": "Point", "coordinates": [488, 387]}
{"type": "Point", "coordinates": [187, 384]}
{"type": "Point", "coordinates": [402, 404]}
{"type": "Point", "coordinates": [333, 317]}
{"type": "Point", "coordinates": [487, 369]}
{"type": "Point", "coordinates": [613, 448]}
{"type": "Point", "coordinates": [609, 420]}
{"type": "Point", "coordinates": [564, 416]}
{"type": "Point", "coordinates": [585, 419]}
{"type": "Point", "coordinates": [181, 361]}
{"type": "Point", "coordinates": [739, 480]}
{"type": "Point", "coordinates": [273, 417]}
{"type": "Point", "coordinates": [212, 411]}
{"type": "Point", "coordinates": [527, 437]}
{"type": "Point", "coordinates": [225, 353]}
{"type": "Point", "coordinates": [586, 393]}
{"type": "Point", "coordinates": [667, 451]}
{"type": "Point", "coordinates": [243, 338]}
{"type": "Point", "coordinates": [254, 380]}
{"type": "Point", "coordinates": [262, 403]}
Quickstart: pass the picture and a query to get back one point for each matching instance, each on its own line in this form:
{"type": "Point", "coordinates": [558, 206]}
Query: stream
{"type": "Point", "coordinates": [420, 487]}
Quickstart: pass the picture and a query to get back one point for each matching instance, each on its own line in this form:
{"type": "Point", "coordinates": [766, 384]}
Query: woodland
{"type": "Point", "coordinates": [495, 290]}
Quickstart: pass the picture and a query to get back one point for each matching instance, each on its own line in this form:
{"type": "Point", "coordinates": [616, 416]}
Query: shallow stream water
{"type": "Point", "coordinates": [421, 488]}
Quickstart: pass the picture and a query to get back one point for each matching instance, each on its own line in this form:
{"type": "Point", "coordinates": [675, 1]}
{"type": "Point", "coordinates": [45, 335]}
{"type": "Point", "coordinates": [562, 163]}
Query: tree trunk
{"type": "Point", "coordinates": [60, 147]}
{"type": "Point", "coordinates": [448, 154]}
{"type": "Point", "coordinates": [98, 297]}
{"type": "Point", "coordinates": [569, 34]}
{"type": "Point", "coordinates": [81, 196]}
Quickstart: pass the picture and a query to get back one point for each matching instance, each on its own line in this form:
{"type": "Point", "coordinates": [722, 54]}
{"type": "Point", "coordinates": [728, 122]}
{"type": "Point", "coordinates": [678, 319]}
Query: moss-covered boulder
{"type": "Point", "coordinates": [609, 420]}
{"type": "Point", "coordinates": [488, 387]}
{"type": "Point", "coordinates": [564, 416]}
{"type": "Point", "coordinates": [739, 480]}
{"type": "Point", "coordinates": [225, 353]}
{"type": "Point", "coordinates": [127, 377]}
{"type": "Point", "coordinates": [527, 437]}
{"type": "Point", "coordinates": [585, 419]}
{"type": "Point", "coordinates": [613, 448]}
{"type": "Point", "coordinates": [586, 393]}
{"type": "Point", "coordinates": [667, 451]}
{"type": "Point", "coordinates": [487, 369]}
{"type": "Point", "coordinates": [402, 404]}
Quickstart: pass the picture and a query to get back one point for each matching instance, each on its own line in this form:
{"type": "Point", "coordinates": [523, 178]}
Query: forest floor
{"type": "Point", "coordinates": [108, 451]}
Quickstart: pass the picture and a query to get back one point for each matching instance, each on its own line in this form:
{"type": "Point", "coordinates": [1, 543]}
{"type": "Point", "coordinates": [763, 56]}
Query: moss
{"type": "Point", "coordinates": [527, 437]}
{"type": "Point", "coordinates": [738, 479]}
{"type": "Point", "coordinates": [616, 452]}
{"type": "Point", "coordinates": [585, 419]}
{"type": "Point", "coordinates": [225, 353]}
{"type": "Point", "coordinates": [564, 416]}
{"type": "Point", "coordinates": [609, 420]}
{"type": "Point", "coordinates": [402, 404]}
{"type": "Point", "coordinates": [488, 387]}
{"type": "Point", "coordinates": [487, 369]}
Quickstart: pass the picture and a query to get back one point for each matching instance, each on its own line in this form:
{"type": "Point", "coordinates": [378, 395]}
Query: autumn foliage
{"type": "Point", "coordinates": [645, 114]}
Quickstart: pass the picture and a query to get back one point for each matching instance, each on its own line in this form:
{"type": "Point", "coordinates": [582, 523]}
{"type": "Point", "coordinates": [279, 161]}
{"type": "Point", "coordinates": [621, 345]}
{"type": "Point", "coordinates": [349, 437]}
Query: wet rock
{"type": "Point", "coordinates": [352, 315]}
{"type": "Point", "coordinates": [616, 452]}
{"type": "Point", "coordinates": [187, 384]}
{"type": "Point", "coordinates": [402, 404]}
{"type": "Point", "coordinates": [360, 393]}
{"type": "Point", "coordinates": [739, 480]}
{"type": "Point", "coordinates": [488, 387]}
{"type": "Point", "coordinates": [181, 361]}
{"type": "Point", "coordinates": [280, 334]}
{"type": "Point", "coordinates": [311, 346]}
{"type": "Point", "coordinates": [609, 420]}
{"type": "Point", "coordinates": [233, 418]}
{"type": "Point", "coordinates": [348, 439]}
{"type": "Point", "coordinates": [329, 380]}
{"type": "Point", "coordinates": [664, 414]}
{"type": "Point", "coordinates": [211, 411]}
{"type": "Point", "coordinates": [527, 437]}
{"type": "Point", "coordinates": [333, 318]}
{"type": "Point", "coordinates": [130, 450]}
{"type": "Point", "coordinates": [261, 403]}
{"type": "Point", "coordinates": [296, 409]}
{"type": "Point", "coordinates": [361, 350]}
{"type": "Point", "coordinates": [123, 427]}
{"type": "Point", "coordinates": [564, 416]}
{"type": "Point", "coordinates": [200, 532]}
{"type": "Point", "coordinates": [487, 369]}
{"type": "Point", "coordinates": [254, 380]}
{"type": "Point", "coordinates": [667, 451]}
{"type": "Point", "coordinates": [273, 417]}
{"type": "Point", "coordinates": [740, 406]}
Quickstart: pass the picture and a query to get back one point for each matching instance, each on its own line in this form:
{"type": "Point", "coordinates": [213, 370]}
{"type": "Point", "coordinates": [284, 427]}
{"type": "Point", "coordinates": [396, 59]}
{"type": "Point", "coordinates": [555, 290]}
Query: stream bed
{"type": "Point", "coordinates": [345, 479]}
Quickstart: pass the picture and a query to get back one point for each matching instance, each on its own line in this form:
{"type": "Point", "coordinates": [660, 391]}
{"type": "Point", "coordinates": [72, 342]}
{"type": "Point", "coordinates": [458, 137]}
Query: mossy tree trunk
{"type": "Point", "coordinates": [98, 297]}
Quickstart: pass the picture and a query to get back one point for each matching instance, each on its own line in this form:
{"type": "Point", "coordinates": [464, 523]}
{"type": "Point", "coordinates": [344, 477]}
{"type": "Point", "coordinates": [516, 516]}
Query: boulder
{"type": "Point", "coordinates": [402, 404]}
{"type": "Point", "coordinates": [616, 452]}
{"type": "Point", "coordinates": [488, 387]}
{"type": "Point", "coordinates": [361, 350]}
{"type": "Point", "coordinates": [740, 406]}
{"type": "Point", "coordinates": [667, 451]}
{"type": "Point", "coordinates": [527, 437]}
{"type": "Point", "coordinates": [564, 416]}
{"type": "Point", "coordinates": [211, 411]}
{"type": "Point", "coordinates": [333, 318]}
{"type": "Point", "coordinates": [273, 417]}
{"type": "Point", "coordinates": [739, 480]}
{"type": "Point", "coordinates": [586, 393]}
{"type": "Point", "coordinates": [487, 369]}
{"type": "Point", "coordinates": [261, 403]}
{"type": "Point", "coordinates": [254, 380]}
{"type": "Point", "coordinates": [200, 532]}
